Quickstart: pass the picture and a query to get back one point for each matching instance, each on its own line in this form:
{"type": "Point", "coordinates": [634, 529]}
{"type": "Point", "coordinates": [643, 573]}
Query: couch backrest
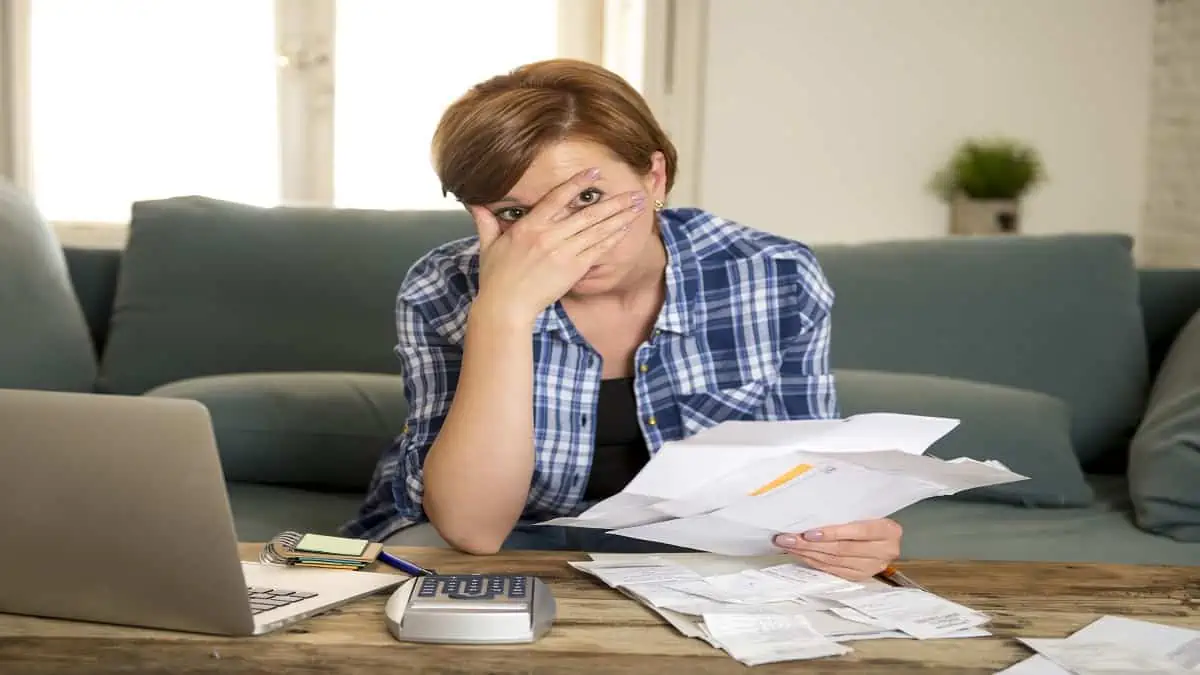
{"type": "Point", "coordinates": [1054, 314]}
{"type": "Point", "coordinates": [209, 287]}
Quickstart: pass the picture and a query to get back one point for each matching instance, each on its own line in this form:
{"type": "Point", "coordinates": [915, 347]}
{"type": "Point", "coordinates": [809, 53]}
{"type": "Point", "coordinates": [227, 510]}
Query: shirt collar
{"type": "Point", "coordinates": [682, 276]}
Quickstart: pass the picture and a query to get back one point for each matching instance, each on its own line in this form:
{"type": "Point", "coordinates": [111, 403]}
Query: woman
{"type": "Point", "coordinates": [547, 359]}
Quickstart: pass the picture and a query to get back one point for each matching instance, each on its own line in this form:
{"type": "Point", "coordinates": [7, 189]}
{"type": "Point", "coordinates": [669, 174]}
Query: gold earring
{"type": "Point", "coordinates": [658, 205]}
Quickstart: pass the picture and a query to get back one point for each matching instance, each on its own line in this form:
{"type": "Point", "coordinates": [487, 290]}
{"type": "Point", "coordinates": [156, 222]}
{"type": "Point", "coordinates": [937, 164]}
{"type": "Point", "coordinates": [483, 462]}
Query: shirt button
{"type": "Point", "coordinates": [645, 368]}
{"type": "Point", "coordinates": [652, 421]}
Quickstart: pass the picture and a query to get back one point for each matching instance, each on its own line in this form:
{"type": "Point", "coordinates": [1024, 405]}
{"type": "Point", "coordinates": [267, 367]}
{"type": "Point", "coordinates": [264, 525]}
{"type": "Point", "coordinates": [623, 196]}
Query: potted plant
{"type": "Point", "coordinates": [983, 183]}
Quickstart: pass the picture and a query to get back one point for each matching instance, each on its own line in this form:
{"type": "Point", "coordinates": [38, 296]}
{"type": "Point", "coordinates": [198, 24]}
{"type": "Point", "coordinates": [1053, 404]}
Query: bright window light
{"type": "Point", "coordinates": [144, 99]}
{"type": "Point", "coordinates": [398, 65]}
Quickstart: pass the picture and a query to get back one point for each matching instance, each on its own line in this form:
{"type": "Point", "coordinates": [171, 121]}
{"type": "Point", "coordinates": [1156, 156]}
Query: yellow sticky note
{"type": "Point", "coordinates": [319, 543]}
{"type": "Point", "coordinates": [783, 478]}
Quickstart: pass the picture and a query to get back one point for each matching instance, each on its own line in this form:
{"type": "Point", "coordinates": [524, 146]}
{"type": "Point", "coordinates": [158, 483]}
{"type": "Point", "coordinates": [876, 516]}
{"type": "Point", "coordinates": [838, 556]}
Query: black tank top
{"type": "Point", "coordinates": [620, 448]}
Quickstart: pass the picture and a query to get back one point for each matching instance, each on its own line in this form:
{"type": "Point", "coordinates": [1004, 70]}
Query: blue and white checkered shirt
{"type": "Point", "coordinates": [743, 334]}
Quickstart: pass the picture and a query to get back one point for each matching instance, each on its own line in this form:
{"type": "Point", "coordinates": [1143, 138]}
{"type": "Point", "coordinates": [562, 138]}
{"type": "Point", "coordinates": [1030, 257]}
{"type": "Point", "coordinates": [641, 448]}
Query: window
{"type": "Point", "coordinates": [394, 79]}
{"type": "Point", "coordinates": [324, 102]}
{"type": "Point", "coordinates": [129, 100]}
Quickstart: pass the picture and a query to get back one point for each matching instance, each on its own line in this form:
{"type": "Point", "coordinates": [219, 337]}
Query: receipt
{"type": "Point", "coordinates": [622, 575]}
{"type": "Point", "coordinates": [810, 581]}
{"type": "Point", "coordinates": [1186, 655]}
{"type": "Point", "coordinates": [748, 587]}
{"type": "Point", "coordinates": [1101, 657]}
{"type": "Point", "coordinates": [754, 639]}
{"type": "Point", "coordinates": [919, 613]}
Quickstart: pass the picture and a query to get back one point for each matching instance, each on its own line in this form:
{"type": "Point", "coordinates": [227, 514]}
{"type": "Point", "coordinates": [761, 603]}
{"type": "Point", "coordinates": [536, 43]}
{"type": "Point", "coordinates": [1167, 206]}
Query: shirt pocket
{"type": "Point", "coordinates": [703, 409]}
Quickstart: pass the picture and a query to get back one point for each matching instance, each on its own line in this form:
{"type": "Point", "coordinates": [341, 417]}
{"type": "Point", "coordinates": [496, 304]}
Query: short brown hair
{"type": "Point", "coordinates": [487, 139]}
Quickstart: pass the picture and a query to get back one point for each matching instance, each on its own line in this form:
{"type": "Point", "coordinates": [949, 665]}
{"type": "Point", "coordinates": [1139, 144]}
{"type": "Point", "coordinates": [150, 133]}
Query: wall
{"type": "Point", "coordinates": [1171, 233]}
{"type": "Point", "coordinates": [824, 120]}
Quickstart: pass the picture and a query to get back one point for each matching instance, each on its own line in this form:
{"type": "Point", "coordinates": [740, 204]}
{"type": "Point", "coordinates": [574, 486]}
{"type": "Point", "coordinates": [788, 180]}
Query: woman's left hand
{"type": "Point", "coordinates": [854, 551]}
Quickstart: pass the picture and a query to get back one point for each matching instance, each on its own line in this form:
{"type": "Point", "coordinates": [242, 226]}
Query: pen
{"type": "Point", "coordinates": [899, 578]}
{"type": "Point", "coordinates": [404, 565]}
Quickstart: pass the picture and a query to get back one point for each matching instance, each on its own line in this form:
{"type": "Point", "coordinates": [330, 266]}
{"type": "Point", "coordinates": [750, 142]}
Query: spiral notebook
{"type": "Point", "coordinates": [318, 550]}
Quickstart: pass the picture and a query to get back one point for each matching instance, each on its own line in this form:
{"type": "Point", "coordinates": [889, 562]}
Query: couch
{"type": "Point", "coordinates": [280, 322]}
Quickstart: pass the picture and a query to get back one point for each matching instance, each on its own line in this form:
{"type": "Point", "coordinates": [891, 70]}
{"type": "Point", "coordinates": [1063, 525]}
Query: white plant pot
{"type": "Point", "coordinates": [985, 216]}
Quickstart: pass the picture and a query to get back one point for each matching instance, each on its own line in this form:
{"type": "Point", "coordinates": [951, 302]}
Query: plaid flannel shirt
{"type": "Point", "coordinates": [743, 334]}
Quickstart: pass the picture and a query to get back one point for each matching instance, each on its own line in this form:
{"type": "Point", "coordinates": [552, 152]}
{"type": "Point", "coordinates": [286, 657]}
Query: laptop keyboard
{"type": "Point", "coordinates": [263, 599]}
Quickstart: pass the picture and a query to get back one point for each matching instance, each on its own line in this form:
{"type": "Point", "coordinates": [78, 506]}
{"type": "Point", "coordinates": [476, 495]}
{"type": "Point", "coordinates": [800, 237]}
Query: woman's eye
{"type": "Point", "coordinates": [588, 197]}
{"type": "Point", "coordinates": [509, 215]}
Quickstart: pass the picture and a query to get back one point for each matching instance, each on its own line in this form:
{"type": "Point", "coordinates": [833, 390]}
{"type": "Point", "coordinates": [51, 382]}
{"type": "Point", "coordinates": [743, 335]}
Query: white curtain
{"type": "Point", "coordinates": [14, 92]}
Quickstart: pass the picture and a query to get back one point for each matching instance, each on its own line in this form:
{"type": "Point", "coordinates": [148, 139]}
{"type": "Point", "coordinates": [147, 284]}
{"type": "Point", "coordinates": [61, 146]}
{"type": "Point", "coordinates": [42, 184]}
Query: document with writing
{"type": "Point", "coordinates": [730, 489]}
{"type": "Point", "coordinates": [764, 609]}
{"type": "Point", "coordinates": [1114, 644]}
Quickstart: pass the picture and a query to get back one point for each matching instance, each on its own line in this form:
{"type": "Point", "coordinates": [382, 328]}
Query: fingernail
{"type": "Point", "coordinates": [639, 202]}
{"type": "Point", "coordinates": [814, 535]}
{"type": "Point", "coordinates": [785, 540]}
{"type": "Point", "coordinates": [593, 173]}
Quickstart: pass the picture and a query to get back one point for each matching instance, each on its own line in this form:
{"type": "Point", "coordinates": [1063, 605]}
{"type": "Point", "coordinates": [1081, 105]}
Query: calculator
{"type": "Point", "coordinates": [471, 609]}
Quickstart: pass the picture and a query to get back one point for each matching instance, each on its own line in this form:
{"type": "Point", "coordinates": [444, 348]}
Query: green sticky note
{"type": "Point", "coordinates": [319, 543]}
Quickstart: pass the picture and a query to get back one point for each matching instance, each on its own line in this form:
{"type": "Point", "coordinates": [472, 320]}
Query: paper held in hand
{"type": "Point", "coordinates": [730, 489]}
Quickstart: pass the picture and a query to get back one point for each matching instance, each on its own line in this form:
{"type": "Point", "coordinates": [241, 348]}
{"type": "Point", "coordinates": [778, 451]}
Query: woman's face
{"type": "Point", "coordinates": [561, 161]}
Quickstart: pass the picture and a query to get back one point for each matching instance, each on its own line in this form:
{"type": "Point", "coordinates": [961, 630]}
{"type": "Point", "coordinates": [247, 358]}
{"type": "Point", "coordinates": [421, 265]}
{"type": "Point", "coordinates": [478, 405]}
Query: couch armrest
{"type": "Point", "coordinates": [320, 431]}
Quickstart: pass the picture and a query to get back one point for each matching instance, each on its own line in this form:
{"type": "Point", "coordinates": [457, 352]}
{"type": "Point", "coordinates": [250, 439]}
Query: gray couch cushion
{"type": "Point", "coordinates": [210, 287]}
{"type": "Point", "coordinates": [324, 431]}
{"type": "Point", "coordinates": [44, 340]}
{"type": "Point", "coordinates": [1027, 431]}
{"type": "Point", "coordinates": [1104, 532]}
{"type": "Point", "coordinates": [1164, 460]}
{"type": "Point", "coordinates": [1055, 314]}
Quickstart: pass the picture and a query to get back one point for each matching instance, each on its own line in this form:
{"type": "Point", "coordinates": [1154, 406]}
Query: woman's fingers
{"type": "Point", "coordinates": [624, 206]}
{"type": "Point", "coordinates": [486, 226]}
{"type": "Point", "coordinates": [620, 212]}
{"type": "Point", "coordinates": [552, 208]}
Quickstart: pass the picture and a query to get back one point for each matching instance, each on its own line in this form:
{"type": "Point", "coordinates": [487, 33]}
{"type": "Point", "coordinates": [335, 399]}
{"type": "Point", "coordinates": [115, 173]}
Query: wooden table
{"type": "Point", "coordinates": [599, 631]}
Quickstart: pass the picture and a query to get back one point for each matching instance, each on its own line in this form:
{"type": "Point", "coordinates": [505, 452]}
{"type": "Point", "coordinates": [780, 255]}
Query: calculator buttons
{"type": "Point", "coordinates": [428, 588]}
{"type": "Point", "coordinates": [478, 587]}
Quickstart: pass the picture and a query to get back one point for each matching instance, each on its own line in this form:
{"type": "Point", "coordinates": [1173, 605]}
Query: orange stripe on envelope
{"type": "Point", "coordinates": [783, 478]}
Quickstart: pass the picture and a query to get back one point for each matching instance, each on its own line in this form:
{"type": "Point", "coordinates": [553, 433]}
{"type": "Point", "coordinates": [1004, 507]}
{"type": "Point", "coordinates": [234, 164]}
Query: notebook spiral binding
{"type": "Point", "coordinates": [284, 541]}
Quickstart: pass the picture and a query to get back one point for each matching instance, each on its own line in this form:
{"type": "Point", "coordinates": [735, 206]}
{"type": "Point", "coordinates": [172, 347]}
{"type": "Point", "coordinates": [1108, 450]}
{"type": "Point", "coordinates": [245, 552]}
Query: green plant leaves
{"type": "Point", "coordinates": [996, 168]}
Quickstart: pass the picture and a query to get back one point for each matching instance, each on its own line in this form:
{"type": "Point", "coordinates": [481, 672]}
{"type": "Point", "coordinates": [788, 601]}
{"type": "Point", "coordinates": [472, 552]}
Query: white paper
{"type": "Point", "coordinates": [624, 509]}
{"type": "Point", "coordinates": [750, 587]}
{"type": "Point", "coordinates": [918, 613]}
{"type": "Point", "coordinates": [810, 581]}
{"type": "Point", "coordinates": [710, 533]}
{"type": "Point", "coordinates": [619, 576]}
{"type": "Point", "coordinates": [729, 488]}
{"type": "Point", "coordinates": [749, 620]}
{"type": "Point", "coordinates": [1094, 657]}
{"type": "Point", "coordinates": [912, 434]}
{"type": "Point", "coordinates": [732, 488]}
{"type": "Point", "coordinates": [1110, 644]}
{"type": "Point", "coordinates": [1186, 655]}
{"type": "Point", "coordinates": [754, 639]}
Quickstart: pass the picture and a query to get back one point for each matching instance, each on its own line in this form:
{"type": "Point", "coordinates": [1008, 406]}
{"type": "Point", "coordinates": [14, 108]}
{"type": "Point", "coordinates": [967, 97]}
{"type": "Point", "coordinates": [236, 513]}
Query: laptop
{"type": "Point", "coordinates": [113, 510]}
